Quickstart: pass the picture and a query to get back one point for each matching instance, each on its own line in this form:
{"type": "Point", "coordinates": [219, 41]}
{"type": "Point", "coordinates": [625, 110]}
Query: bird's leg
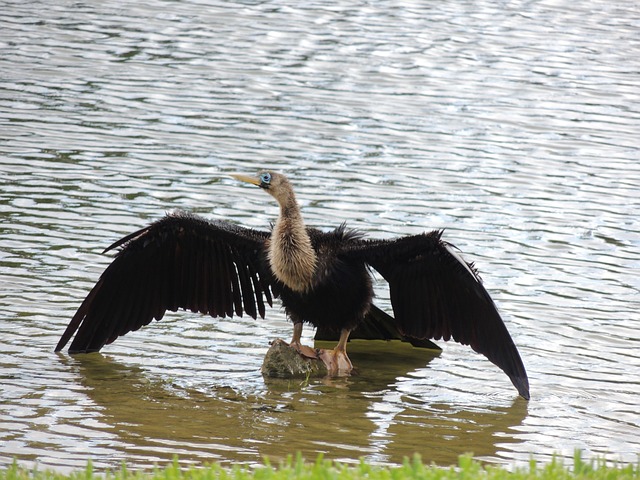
{"type": "Point", "coordinates": [296, 342]}
{"type": "Point", "coordinates": [297, 335]}
{"type": "Point", "coordinates": [336, 360]}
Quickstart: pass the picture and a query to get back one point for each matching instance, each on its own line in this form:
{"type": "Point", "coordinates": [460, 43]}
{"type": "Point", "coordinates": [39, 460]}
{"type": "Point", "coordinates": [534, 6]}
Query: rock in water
{"type": "Point", "coordinates": [282, 361]}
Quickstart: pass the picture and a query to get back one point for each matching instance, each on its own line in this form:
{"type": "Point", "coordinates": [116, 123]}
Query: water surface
{"type": "Point", "coordinates": [513, 125]}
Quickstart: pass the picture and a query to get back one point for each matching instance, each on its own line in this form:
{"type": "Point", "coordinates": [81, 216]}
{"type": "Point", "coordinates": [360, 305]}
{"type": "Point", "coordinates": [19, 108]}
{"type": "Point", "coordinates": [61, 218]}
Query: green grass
{"type": "Point", "coordinates": [297, 468]}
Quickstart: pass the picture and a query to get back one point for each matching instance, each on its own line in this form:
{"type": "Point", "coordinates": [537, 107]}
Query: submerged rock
{"type": "Point", "coordinates": [282, 361]}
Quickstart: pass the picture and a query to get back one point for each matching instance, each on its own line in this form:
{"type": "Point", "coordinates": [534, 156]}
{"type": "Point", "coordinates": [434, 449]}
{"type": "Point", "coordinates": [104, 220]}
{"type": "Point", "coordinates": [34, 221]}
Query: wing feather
{"type": "Point", "coordinates": [180, 261]}
{"type": "Point", "coordinates": [436, 294]}
{"type": "Point", "coordinates": [248, 301]}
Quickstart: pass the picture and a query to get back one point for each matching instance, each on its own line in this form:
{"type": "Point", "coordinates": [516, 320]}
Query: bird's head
{"type": "Point", "coordinates": [274, 183]}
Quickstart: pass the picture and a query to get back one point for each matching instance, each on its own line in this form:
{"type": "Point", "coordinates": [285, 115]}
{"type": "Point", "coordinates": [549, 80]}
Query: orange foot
{"type": "Point", "coordinates": [336, 361]}
{"type": "Point", "coordinates": [304, 350]}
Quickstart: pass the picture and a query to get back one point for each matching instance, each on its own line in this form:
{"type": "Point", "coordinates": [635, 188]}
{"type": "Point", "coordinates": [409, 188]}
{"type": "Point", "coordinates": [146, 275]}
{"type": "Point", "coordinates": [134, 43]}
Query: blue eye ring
{"type": "Point", "coordinates": [265, 178]}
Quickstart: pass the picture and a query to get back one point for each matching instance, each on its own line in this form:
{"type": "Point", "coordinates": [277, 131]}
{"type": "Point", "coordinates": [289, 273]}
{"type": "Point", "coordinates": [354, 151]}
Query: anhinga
{"type": "Point", "coordinates": [322, 278]}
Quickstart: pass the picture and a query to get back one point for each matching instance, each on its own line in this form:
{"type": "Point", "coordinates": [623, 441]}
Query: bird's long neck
{"type": "Point", "coordinates": [291, 254]}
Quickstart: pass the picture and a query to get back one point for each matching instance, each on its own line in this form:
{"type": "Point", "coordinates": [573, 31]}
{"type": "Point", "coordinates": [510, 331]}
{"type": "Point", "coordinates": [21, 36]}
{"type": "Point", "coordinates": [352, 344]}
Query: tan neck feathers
{"type": "Point", "coordinates": [291, 254]}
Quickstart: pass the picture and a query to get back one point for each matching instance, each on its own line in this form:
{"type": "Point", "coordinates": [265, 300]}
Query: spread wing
{"type": "Point", "coordinates": [436, 294]}
{"type": "Point", "coordinates": [180, 261]}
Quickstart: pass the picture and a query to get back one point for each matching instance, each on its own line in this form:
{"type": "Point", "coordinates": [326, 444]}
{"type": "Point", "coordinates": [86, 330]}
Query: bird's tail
{"type": "Point", "coordinates": [377, 325]}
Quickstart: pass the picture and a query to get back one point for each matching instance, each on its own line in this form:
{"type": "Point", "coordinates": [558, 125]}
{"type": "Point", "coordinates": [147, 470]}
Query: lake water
{"type": "Point", "coordinates": [513, 125]}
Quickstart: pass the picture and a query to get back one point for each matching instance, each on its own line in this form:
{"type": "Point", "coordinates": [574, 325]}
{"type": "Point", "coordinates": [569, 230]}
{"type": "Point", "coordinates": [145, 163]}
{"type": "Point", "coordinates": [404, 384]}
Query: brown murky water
{"type": "Point", "coordinates": [512, 125]}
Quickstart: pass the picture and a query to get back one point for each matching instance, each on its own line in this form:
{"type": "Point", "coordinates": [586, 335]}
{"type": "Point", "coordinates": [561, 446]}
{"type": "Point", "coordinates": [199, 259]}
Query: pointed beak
{"type": "Point", "coordinates": [246, 178]}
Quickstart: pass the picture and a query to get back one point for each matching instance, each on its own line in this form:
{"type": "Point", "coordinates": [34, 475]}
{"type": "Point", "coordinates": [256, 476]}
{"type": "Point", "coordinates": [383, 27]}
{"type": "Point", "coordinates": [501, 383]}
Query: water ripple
{"type": "Point", "coordinates": [513, 126]}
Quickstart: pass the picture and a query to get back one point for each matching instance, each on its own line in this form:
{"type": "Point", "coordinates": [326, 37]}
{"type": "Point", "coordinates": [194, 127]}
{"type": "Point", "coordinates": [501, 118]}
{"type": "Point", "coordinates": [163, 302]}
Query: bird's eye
{"type": "Point", "coordinates": [265, 177]}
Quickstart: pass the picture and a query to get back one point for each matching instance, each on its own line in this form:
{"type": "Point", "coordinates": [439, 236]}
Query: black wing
{"type": "Point", "coordinates": [436, 294]}
{"type": "Point", "coordinates": [180, 261]}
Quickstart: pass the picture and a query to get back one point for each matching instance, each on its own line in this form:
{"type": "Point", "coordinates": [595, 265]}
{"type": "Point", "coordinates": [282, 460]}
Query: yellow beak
{"type": "Point", "coordinates": [246, 178]}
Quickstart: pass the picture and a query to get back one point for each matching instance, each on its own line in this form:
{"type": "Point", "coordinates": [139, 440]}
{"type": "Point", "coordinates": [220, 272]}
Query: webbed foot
{"type": "Point", "coordinates": [336, 361]}
{"type": "Point", "coordinates": [304, 350]}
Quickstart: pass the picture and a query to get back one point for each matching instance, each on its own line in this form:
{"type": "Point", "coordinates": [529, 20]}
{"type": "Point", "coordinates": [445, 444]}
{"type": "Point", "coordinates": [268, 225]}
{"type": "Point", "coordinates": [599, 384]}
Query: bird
{"type": "Point", "coordinates": [322, 278]}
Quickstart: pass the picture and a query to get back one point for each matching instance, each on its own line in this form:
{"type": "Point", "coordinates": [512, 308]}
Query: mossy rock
{"type": "Point", "coordinates": [282, 361]}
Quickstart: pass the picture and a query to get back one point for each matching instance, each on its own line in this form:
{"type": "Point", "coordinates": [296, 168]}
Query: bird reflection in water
{"type": "Point", "coordinates": [150, 418]}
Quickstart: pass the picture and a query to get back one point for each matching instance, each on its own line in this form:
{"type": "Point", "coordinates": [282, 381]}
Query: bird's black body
{"type": "Point", "coordinates": [342, 291]}
{"type": "Point", "coordinates": [222, 269]}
